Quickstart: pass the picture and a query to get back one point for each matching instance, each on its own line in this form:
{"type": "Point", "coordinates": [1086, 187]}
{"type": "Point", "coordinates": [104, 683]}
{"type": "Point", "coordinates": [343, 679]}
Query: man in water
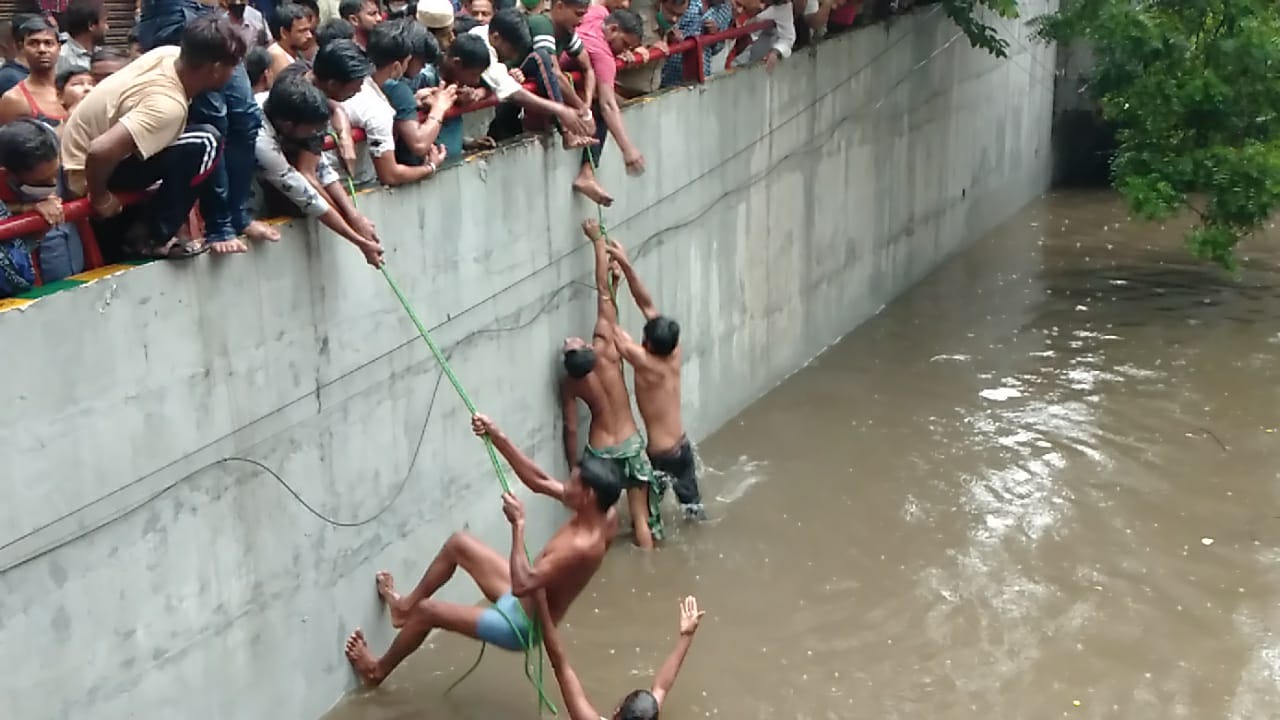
{"type": "Point", "coordinates": [639, 704]}
{"type": "Point", "coordinates": [657, 369]}
{"type": "Point", "coordinates": [563, 569]}
{"type": "Point", "coordinates": [594, 375]}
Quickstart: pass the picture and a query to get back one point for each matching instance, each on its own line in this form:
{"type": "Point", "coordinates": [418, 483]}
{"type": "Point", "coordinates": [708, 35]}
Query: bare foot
{"type": "Point", "coordinates": [228, 247]}
{"type": "Point", "coordinates": [259, 231]}
{"type": "Point", "coordinates": [573, 142]}
{"type": "Point", "coordinates": [363, 661]}
{"type": "Point", "coordinates": [387, 589]}
{"type": "Point", "coordinates": [592, 190]}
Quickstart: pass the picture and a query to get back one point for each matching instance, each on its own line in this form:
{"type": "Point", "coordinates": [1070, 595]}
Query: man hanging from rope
{"type": "Point", "coordinates": [563, 569]}
{"type": "Point", "coordinates": [594, 375]}
{"type": "Point", "coordinates": [657, 371]}
{"type": "Point", "coordinates": [639, 704]}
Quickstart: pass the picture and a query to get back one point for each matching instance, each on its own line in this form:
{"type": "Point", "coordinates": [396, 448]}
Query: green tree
{"type": "Point", "coordinates": [1192, 90]}
{"type": "Point", "coordinates": [967, 15]}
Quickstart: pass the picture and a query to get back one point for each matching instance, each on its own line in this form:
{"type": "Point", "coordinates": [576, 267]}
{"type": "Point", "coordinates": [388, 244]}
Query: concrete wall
{"type": "Point", "coordinates": [141, 577]}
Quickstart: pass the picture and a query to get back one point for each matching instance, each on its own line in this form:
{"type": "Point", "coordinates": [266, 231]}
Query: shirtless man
{"type": "Point", "coordinates": [639, 704]}
{"type": "Point", "coordinates": [563, 569]}
{"type": "Point", "coordinates": [292, 34]}
{"type": "Point", "coordinates": [594, 375]}
{"type": "Point", "coordinates": [657, 369]}
{"type": "Point", "coordinates": [36, 95]}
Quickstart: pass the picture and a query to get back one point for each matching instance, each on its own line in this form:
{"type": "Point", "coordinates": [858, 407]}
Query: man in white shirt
{"type": "Point", "coordinates": [249, 23]}
{"type": "Point", "coordinates": [775, 43]}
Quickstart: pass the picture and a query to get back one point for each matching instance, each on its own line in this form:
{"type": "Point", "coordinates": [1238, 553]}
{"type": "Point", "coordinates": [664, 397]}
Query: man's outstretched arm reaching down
{"type": "Point", "coordinates": [575, 698]}
{"type": "Point", "coordinates": [534, 477]}
{"type": "Point", "coordinates": [643, 299]}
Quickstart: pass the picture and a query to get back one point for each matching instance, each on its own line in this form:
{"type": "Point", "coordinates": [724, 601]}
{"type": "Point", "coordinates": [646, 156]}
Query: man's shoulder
{"type": "Point", "coordinates": [541, 25]}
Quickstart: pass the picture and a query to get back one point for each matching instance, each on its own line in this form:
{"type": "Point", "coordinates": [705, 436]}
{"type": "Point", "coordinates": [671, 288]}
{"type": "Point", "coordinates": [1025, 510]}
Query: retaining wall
{"type": "Point", "coordinates": [140, 577]}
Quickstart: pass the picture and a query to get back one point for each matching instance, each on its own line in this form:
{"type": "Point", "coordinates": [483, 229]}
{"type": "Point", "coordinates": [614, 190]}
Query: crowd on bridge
{"type": "Point", "coordinates": [215, 113]}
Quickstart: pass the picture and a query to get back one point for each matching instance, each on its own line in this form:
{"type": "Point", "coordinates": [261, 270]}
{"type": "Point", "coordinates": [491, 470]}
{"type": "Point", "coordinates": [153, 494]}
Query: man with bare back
{"type": "Point", "coordinates": [562, 569]}
{"type": "Point", "coordinates": [657, 370]}
{"type": "Point", "coordinates": [594, 375]}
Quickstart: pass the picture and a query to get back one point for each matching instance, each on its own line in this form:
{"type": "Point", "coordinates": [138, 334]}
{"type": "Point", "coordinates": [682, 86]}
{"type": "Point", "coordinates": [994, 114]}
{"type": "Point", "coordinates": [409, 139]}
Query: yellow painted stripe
{"type": "Point", "coordinates": [99, 273]}
{"type": "Point", "coordinates": [13, 303]}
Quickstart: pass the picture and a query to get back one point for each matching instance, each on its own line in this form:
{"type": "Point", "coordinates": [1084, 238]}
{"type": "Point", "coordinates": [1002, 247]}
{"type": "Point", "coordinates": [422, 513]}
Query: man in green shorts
{"type": "Point", "coordinates": [594, 375]}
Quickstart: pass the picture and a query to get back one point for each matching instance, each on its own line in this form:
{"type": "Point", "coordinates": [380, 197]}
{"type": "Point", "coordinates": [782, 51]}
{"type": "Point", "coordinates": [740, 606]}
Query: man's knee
{"type": "Point", "coordinates": [459, 541]}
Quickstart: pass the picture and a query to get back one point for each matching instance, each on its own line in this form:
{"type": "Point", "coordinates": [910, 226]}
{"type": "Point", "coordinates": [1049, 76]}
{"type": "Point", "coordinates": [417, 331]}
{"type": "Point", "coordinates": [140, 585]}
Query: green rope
{"type": "Point", "coordinates": [543, 700]}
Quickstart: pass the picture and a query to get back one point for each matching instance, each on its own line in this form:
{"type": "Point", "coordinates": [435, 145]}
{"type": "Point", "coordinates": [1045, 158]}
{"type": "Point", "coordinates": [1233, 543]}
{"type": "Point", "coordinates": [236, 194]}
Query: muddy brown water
{"type": "Point", "coordinates": [1043, 483]}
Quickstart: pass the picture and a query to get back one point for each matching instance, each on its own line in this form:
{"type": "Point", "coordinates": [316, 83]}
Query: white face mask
{"type": "Point", "coordinates": [38, 192]}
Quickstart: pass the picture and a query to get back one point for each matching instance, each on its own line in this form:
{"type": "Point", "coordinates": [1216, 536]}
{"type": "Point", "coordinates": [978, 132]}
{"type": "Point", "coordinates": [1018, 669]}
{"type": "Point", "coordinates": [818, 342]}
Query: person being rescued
{"type": "Point", "coordinates": [638, 704]}
{"type": "Point", "coordinates": [563, 568]}
{"type": "Point", "coordinates": [593, 374]}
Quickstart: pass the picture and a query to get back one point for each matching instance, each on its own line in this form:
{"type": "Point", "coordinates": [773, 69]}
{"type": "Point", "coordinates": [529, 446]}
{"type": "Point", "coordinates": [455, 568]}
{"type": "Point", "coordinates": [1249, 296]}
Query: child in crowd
{"type": "Point", "coordinates": [257, 64]}
{"type": "Point", "coordinates": [74, 82]}
{"type": "Point", "coordinates": [34, 183]}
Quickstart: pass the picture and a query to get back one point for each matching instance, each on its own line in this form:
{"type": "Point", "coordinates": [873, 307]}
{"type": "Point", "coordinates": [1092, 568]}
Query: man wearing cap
{"type": "Point", "coordinates": [437, 16]}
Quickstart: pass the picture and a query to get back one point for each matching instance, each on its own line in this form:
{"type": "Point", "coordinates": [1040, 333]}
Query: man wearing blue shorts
{"type": "Point", "coordinates": [562, 569]}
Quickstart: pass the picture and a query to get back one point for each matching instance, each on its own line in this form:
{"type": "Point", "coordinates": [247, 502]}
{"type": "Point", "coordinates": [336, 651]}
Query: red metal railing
{"type": "Point", "coordinates": [78, 210]}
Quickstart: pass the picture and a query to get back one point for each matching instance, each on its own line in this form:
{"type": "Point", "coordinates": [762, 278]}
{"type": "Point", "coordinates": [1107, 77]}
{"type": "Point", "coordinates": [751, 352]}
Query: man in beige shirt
{"type": "Point", "coordinates": [131, 131]}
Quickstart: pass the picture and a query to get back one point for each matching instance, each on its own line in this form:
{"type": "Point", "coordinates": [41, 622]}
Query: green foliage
{"type": "Point", "coordinates": [965, 14]}
{"type": "Point", "coordinates": [1191, 87]}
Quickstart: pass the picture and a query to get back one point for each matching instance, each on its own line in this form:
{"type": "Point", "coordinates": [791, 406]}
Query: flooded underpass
{"type": "Point", "coordinates": [1043, 483]}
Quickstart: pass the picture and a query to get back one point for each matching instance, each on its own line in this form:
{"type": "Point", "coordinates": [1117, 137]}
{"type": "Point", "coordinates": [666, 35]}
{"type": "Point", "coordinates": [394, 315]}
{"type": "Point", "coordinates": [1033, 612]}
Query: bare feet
{"type": "Point", "coordinates": [363, 661]}
{"type": "Point", "coordinates": [259, 231]}
{"type": "Point", "coordinates": [387, 589]}
{"type": "Point", "coordinates": [572, 142]}
{"type": "Point", "coordinates": [228, 247]}
{"type": "Point", "coordinates": [592, 190]}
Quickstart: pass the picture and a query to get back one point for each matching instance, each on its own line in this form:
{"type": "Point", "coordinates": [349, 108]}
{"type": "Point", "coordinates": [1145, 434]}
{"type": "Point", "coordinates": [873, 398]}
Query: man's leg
{"type": "Point", "coordinates": [491, 572]}
{"type": "Point", "coordinates": [244, 120]}
{"type": "Point", "coordinates": [428, 615]}
{"type": "Point", "coordinates": [586, 182]}
{"type": "Point", "coordinates": [182, 169]}
{"type": "Point", "coordinates": [638, 502]}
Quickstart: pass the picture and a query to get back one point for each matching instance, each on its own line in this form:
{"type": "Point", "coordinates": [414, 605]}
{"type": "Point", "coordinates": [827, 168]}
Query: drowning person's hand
{"type": "Point", "coordinates": [690, 615]}
{"type": "Point", "coordinates": [481, 425]}
{"type": "Point", "coordinates": [514, 510]}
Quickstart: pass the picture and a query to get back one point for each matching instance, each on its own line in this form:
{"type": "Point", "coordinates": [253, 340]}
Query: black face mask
{"type": "Point", "coordinates": [237, 11]}
{"type": "Point", "coordinates": [312, 143]}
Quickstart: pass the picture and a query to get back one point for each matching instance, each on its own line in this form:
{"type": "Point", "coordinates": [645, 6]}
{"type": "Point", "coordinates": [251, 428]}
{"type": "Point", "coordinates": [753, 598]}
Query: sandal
{"type": "Point", "coordinates": [175, 249]}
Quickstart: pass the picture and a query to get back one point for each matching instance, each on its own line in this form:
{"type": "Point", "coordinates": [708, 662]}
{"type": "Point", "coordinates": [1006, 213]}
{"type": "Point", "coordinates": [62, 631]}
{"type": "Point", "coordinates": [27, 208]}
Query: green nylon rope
{"type": "Point", "coordinates": [543, 700]}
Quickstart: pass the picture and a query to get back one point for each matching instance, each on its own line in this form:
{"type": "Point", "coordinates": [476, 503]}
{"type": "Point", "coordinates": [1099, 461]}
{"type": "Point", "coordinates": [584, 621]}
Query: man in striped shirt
{"type": "Point", "coordinates": [556, 33]}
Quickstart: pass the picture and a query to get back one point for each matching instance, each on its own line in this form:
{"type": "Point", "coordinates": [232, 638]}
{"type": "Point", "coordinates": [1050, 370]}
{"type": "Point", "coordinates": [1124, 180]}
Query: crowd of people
{"type": "Point", "coordinates": [219, 112]}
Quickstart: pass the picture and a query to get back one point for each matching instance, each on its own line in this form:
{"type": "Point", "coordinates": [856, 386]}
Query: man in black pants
{"type": "Point", "coordinates": [132, 131]}
{"type": "Point", "coordinates": [510, 39]}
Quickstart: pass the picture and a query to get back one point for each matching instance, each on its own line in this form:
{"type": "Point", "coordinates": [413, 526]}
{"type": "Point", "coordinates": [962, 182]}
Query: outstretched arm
{"type": "Point", "coordinates": [606, 310]}
{"type": "Point", "coordinates": [690, 616]}
{"type": "Point", "coordinates": [644, 301]}
{"type": "Point", "coordinates": [630, 350]}
{"type": "Point", "coordinates": [575, 698]}
{"type": "Point", "coordinates": [553, 564]}
{"type": "Point", "coordinates": [534, 477]}
{"type": "Point", "coordinates": [569, 411]}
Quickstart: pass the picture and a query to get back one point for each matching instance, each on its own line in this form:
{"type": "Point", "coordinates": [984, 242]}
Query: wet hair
{"type": "Point", "coordinates": [210, 40]}
{"type": "Point", "coordinates": [347, 8]}
{"type": "Point", "coordinates": [387, 44]}
{"type": "Point", "coordinates": [284, 18]}
{"type": "Point", "coordinates": [511, 26]}
{"type": "Point", "coordinates": [422, 44]}
{"type": "Point", "coordinates": [108, 55]}
{"type": "Point", "coordinates": [295, 100]}
{"type": "Point", "coordinates": [470, 51]}
{"type": "Point", "coordinates": [256, 63]}
{"type": "Point", "coordinates": [81, 15]}
{"type": "Point", "coordinates": [30, 25]}
{"type": "Point", "coordinates": [661, 335]}
{"type": "Point", "coordinates": [64, 75]}
{"type": "Point", "coordinates": [627, 21]}
{"type": "Point", "coordinates": [26, 143]}
{"type": "Point", "coordinates": [463, 24]}
{"type": "Point", "coordinates": [341, 61]}
{"type": "Point", "coordinates": [334, 29]}
{"type": "Point", "coordinates": [601, 476]}
{"type": "Point", "coordinates": [579, 362]}
{"type": "Point", "coordinates": [309, 6]}
{"type": "Point", "coordinates": [639, 705]}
